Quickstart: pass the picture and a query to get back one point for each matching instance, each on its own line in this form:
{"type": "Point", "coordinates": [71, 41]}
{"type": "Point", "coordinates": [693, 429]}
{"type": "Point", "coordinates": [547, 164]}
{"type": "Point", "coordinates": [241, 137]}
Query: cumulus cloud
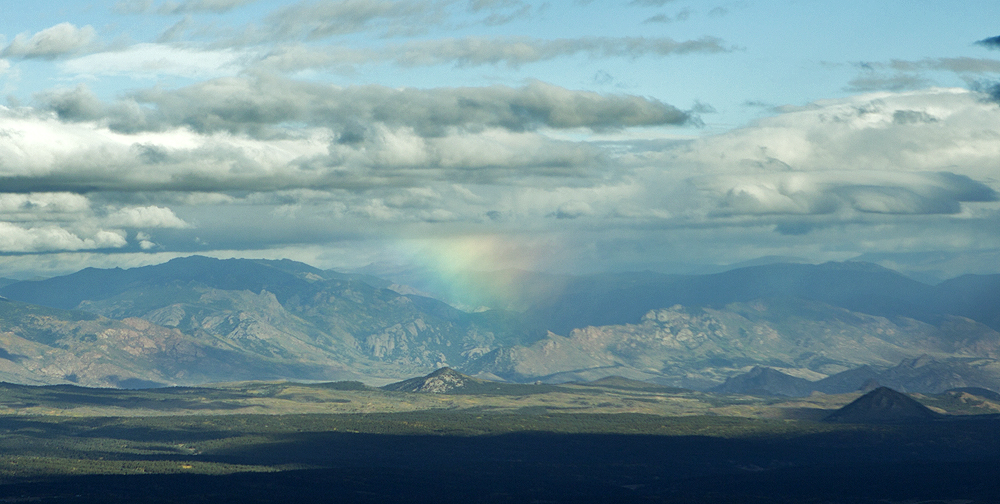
{"type": "Point", "coordinates": [917, 153]}
{"type": "Point", "coordinates": [43, 207]}
{"type": "Point", "coordinates": [51, 221]}
{"type": "Point", "coordinates": [306, 162]}
{"type": "Point", "coordinates": [14, 238]}
{"type": "Point", "coordinates": [86, 145]}
{"type": "Point", "coordinates": [827, 192]}
{"type": "Point", "coordinates": [60, 40]}
{"type": "Point", "coordinates": [145, 217]}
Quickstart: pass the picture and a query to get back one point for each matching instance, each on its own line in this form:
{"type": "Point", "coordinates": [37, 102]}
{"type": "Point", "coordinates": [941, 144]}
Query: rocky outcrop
{"type": "Point", "coordinates": [442, 381]}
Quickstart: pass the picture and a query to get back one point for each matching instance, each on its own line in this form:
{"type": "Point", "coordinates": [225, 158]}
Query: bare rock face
{"type": "Point", "coordinates": [442, 381]}
{"type": "Point", "coordinates": [883, 405]}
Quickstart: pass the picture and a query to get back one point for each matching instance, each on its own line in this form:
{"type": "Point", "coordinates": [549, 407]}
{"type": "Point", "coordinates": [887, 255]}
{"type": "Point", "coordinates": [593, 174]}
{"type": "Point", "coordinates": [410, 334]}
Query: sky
{"type": "Point", "coordinates": [452, 135]}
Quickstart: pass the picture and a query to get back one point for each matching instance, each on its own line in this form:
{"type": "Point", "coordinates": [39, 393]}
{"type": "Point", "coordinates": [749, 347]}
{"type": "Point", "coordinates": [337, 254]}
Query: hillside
{"type": "Point", "coordinates": [294, 320]}
{"type": "Point", "coordinates": [701, 347]}
{"type": "Point", "coordinates": [883, 405]}
{"type": "Point", "coordinates": [283, 319]}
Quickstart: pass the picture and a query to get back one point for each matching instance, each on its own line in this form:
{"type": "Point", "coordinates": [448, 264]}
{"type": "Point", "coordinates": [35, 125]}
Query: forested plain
{"type": "Point", "coordinates": [610, 442]}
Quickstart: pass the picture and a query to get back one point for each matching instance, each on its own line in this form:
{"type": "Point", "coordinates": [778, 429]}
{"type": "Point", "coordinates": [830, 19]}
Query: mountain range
{"type": "Point", "coordinates": [196, 320]}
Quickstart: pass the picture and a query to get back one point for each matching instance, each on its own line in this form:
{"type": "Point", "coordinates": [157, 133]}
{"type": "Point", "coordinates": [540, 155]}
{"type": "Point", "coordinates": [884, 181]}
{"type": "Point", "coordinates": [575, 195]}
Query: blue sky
{"type": "Point", "coordinates": [488, 134]}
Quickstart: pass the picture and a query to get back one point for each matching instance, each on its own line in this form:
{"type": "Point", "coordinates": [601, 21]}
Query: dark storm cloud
{"type": "Point", "coordinates": [990, 43]}
{"type": "Point", "coordinates": [990, 89]}
{"type": "Point", "coordinates": [258, 106]}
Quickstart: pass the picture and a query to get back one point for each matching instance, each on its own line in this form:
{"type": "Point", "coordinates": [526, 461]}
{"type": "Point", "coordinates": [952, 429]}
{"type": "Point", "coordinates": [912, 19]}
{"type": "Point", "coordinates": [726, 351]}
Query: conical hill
{"type": "Point", "coordinates": [882, 405]}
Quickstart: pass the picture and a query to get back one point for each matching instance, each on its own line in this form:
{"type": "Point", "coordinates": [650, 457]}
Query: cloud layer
{"type": "Point", "coordinates": [575, 137]}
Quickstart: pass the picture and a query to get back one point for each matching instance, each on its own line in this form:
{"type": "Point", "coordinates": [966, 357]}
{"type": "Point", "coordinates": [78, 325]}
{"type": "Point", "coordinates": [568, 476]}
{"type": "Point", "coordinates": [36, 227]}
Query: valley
{"type": "Point", "coordinates": [206, 380]}
{"type": "Point", "coordinates": [448, 437]}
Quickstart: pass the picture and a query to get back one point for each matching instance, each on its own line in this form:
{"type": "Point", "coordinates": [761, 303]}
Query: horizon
{"type": "Point", "coordinates": [441, 135]}
{"type": "Point", "coordinates": [505, 289]}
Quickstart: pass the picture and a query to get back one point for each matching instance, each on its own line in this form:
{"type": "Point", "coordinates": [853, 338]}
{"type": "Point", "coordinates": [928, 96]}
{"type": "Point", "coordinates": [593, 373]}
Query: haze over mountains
{"type": "Point", "coordinates": [196, 320]}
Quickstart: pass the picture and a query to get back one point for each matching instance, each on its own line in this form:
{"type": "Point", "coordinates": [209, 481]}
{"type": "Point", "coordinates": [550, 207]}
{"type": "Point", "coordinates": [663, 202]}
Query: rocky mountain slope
{"type": "Point", "coordinates": [217, 320]}
{"type": "Point", "coordinates": [294, 321]}
{"type": "Point", "coordinates": [701, 347]}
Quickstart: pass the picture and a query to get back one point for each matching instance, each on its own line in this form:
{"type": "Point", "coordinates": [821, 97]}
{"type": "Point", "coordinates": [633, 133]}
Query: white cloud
{"type": "Point", "coordinates": [146, 217]}
{"type": "Point", "coordinates": [15, 238]}
{"type": "Point", "coordinates": [920, 152]}
{"type": "Point", "coordinates": [476, 51]}
{"type": "Point", "coordinates": [59, 40]}
{"type": "Point", "coordinates": [173, 7]}
{"type": "Point", "coordinates": [150, 61]}
{"type": "Point", "coordinates": [43, 207]}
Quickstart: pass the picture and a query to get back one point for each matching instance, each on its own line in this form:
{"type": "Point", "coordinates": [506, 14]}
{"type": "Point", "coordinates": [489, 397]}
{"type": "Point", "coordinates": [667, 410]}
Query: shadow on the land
{"type": "Point", "coordinates": [932, 461]}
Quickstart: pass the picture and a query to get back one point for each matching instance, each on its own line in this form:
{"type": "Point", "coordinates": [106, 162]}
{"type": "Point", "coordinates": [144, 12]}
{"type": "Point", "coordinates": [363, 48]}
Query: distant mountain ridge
{"type": "Point", "coordinates": [294, 320]}
{"type": "Point", "coordinates": [922, 374]}
{"type": "Point", "coordinates": [284, 319]}
{"type": "Point", "coordinates": [598, 300]}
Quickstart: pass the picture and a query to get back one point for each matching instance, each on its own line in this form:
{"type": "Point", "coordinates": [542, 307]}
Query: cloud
{"type": "Point", "coordinates": [828, 192]}
{"type": "Point", "coordinates": [573, 209]}
{"type": "Point", "coordinates": [60, 40]}
{"type": "Point", "coordinates": [476, 51]}
{"type": "Point", "coordinates": [901, 75]}
{"type": "Point", "coordinates": [961, 65]}
{"type": "Point", "coordinates": [150, 61]}
{"type": "Point", "coordinates": [888, 82]}
{"type": "Point", "coordinates": [650, 3]}
{"type": "Point", "coordinates": [309, 164]}
{"type": "Point", "coordinates": [216, 6]}
{"type": "Point", "coordinates": [518, 51]}
{"type": "Point", "coordinates": [371, 137]}
{"type": "Point", "coordinates": [132, 6]}
{"type": "Point", "coordinates": [659, 18]}
{"type": "Point", "coordinates": [53, 221]}
{"type": "Point", "coordinates": [259, 106]}
{"type": "Point", "coordinates": [325, 18]}
{"type": "Point", "coordinates": [889, 154]}
{"type": "Point", "coordinates": [990, 43]}
{"type": "Point", "coordinates": [35, 207]}
{"type": "Point", "coordinates": [145, 217]}
{"type": "Point", "coordinates": [188, 6]}
{"type": "Point", "coordinates": [14, 238]}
